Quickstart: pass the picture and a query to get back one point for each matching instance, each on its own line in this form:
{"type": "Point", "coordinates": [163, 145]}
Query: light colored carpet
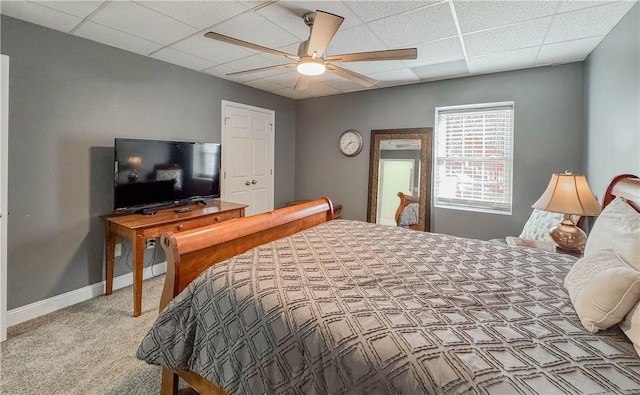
{"type": "Point", "coordinates": [88, 348]}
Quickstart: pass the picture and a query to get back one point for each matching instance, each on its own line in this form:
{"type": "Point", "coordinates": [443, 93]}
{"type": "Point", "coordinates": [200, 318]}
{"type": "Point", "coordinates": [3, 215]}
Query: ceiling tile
{"type": "Point", "coordinates": [506, 38]}
{"type": "Point", "coordinates": [132, 18]}
{"type": "Point", "coordinates": [80, 9]}
{"type": "Point", "coordinates": [320, 89]}
{"type": "Point", "coordinates": [594, 21]}
{"type": "Point", "coordinates": [39, 15]}
{"type": "Point", "coordinates": [250, 62]}
{"type": "Point", "coordinates": [573, 5]}
{"type": "Point", "coordinates": [567, 51]}
{"type": "Point", "coordinates": [437, 52]}
{"type": "Point", "coordinates": [441, 70]}
{"type": "Point", "coordinates": [116, 38]}
{"type": "Point", "coordinates": [287, 79]}
{"type": "Point", "coordinates": [511, 60]}
{"type": "Point", "coordinates": [422, 25]}
{"type": "Point", "coordinates": [222, 71]}
{"type": "Point", "coordinates": [357, 39]}
{"type": "Point", "coordinates": [479, 15]}
{"type": "Point", "coordinates": [213, 50]}
{"type": "Point", "coordinates": [182, 59]}
{"type": "Point", "coordinates": [396, 76]}
{"type": "Point", "coordinates": [368, 11]}
{"type": "Point", "coordinates": [373, 67]}
{"type": "Point", "coordinates": [290, 93]}
{"type": "Point", "coordinates": [345, 85]}
{"type": "Point", "coordinates": [219, 71]}
{"type": "Point", "coordinates": [264, 85]}
{"type": "Point", "coordinates": [200, 14]}
{"type": "Point", "coordinates": [255, 29]}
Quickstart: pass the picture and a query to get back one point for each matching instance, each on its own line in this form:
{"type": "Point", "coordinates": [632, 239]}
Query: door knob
{"type": "Point", "coordinates": [247, 183]}
{"type": "Point", "coordinates": [254, 182]}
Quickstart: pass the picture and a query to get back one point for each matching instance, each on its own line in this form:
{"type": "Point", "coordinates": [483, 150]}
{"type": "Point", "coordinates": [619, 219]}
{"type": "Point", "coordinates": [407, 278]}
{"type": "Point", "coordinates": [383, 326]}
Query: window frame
{"type": "Point", "coordinates": [462, 204]}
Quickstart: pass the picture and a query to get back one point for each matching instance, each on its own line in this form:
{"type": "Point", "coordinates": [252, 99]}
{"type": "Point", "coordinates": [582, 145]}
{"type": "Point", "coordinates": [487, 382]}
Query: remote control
{"type": "Point", "coordinates": [182, 209]}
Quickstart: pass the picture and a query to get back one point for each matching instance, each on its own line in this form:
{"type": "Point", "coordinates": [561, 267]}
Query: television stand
{"type": "Point", "coordinates": [139, 228]}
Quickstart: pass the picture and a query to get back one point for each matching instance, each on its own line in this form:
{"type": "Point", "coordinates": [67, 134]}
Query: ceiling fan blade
{"type": "Point", "coordinates": [302, 83]}
{"type": "Point", "coordinates": [235, 41]}
{"type": "Point", "coordinates": [324, 27]}
{"type": "Point", "coordinates": [392, 54]}
{"type": "Point", "coordinates": [350, 75]}
{"type": "Point", "coordinates": [278, 66]}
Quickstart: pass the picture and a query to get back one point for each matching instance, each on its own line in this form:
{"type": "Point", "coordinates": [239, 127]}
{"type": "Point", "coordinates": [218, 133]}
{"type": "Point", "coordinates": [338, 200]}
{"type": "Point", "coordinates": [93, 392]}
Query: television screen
{"type": "Point", "coordinates": [152, 173]}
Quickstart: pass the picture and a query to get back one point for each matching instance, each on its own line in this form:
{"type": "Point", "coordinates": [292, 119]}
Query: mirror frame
{"type": "Point", "coordinates": [425, 137]}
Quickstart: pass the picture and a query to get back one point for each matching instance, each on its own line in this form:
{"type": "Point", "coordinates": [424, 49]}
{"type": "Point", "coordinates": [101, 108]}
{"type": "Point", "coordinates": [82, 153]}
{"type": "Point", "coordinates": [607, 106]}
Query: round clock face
{"type": "Point", "coordinates": [351, 142]}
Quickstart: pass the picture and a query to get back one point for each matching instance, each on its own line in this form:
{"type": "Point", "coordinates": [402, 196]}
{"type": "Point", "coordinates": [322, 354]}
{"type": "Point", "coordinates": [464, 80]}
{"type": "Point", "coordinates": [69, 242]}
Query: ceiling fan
{"type": "Point", "coordinates": [311, 59]}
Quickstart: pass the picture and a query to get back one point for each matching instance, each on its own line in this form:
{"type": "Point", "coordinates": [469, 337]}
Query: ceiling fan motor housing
{"type": "Point", "coordinates": [308, 18]}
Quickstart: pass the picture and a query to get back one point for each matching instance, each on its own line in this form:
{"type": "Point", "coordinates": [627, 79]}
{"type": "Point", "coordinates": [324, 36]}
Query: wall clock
{"type": "Point", "coordinates": [350, 142]}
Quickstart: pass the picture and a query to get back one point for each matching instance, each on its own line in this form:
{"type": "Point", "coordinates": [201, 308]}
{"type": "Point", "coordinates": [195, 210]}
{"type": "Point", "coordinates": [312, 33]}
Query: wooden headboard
{"type": "Point", "coordinates": [626, 186]}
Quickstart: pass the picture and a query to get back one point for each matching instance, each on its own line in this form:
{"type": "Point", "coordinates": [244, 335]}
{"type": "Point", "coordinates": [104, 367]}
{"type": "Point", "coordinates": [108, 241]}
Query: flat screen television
{"type": "Point", "coordinates": [153, 173]}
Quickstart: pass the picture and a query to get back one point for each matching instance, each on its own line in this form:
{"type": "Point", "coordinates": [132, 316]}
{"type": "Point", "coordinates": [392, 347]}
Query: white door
{"type": "Point", "coordinates": [248, 156]}
{"type": "Point", "coordinates": [4, 149]}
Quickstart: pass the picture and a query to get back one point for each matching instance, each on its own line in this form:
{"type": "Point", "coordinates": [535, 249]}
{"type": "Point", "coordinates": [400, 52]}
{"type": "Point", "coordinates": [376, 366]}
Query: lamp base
{"type": "Point", "coordinates": [568, 236]}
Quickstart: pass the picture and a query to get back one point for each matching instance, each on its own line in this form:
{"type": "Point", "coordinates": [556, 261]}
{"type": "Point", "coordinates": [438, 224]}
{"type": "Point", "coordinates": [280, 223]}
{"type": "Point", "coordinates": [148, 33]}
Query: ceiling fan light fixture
{"type": "Point", "coordinates": [311, 67]}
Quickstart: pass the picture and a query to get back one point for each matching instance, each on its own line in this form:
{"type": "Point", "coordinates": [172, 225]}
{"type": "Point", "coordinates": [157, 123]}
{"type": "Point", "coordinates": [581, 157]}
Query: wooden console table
{"type": "Point", "coordinates": [139, 228]}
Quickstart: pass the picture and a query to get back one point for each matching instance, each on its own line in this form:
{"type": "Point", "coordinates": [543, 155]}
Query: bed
{"type": "Point", "coordinates": [294, 302]}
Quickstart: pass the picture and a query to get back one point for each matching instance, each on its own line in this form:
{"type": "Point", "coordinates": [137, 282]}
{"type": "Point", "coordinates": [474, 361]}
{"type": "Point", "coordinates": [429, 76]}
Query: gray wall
{"type": "Point", "coordinates": [548, 138]}
{"type": "Point", "coordinates": [69, 98]}
{"type": "Point", "coordinates": [612, 115]}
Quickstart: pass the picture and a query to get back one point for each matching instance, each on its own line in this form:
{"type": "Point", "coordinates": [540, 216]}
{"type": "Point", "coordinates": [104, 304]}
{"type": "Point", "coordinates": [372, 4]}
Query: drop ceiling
{"type": "Point", "coordinates": [454, 38]}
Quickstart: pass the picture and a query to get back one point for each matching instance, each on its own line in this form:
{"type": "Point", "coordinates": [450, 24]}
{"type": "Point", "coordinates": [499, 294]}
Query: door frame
{"type": "Point", "coordinates": [4, 187]}
{"type": "Point", "coordinates": [272, 116]}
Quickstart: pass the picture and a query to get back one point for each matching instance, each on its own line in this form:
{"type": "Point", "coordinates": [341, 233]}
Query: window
{"type": "Point", "coordinates": [204, 160]}
{"type": "Point", "coordinates": [474, 157]}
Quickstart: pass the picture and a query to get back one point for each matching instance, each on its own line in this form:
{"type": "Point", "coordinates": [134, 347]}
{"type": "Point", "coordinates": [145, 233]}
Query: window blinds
{"type": "Point", "coordinates": [474, 157]}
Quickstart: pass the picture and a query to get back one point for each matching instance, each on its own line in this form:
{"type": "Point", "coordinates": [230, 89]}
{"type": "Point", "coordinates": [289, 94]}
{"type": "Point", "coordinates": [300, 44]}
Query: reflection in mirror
{"type": "Point", "coordinates": [400, 164]}
{"type": "Point", "coordinates": [398, 171]}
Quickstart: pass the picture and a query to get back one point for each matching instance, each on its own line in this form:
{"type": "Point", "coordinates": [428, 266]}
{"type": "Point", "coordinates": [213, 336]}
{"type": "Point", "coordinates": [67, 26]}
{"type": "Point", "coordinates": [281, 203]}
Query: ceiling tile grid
{"type": "Point", "coordinates": [453, 38]}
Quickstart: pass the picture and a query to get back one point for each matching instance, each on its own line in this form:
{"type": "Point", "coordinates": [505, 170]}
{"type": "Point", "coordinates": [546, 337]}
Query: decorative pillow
{"type": "Point", "coordinates": [631, 326]}
{"type": "Point", "coordinates": [539, 223]}
{"type": "Point", "coordinates": [603, 288]}
{"type": "Point", "coordinates": [617, 228]}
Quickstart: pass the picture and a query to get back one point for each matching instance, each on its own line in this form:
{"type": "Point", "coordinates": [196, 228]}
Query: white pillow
{"type": "Point", "coordinates": [603, 288]}
{"type": "Point", "coordinates": [538, 225]}
{"type": "Point", "coordinates": [617, 228]}
{"type": "Point", "coordinates": [631, 326]}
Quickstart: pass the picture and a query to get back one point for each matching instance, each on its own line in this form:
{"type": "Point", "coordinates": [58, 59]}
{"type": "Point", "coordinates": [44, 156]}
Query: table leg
{"type": "Point", "coordinates": [110, 248]}
{"type": "Point", "coordinates": [138, 263]}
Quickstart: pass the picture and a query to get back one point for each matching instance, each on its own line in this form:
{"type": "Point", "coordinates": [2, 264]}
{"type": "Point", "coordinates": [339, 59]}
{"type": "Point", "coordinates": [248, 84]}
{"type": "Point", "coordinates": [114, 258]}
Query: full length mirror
{"type": "Point", "coordinates": [400, 174]}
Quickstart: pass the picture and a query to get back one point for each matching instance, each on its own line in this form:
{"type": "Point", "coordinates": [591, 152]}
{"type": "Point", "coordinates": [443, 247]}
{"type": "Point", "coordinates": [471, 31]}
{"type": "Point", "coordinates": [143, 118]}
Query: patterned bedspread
{"type": "Point", "coordinates": [352, 307]}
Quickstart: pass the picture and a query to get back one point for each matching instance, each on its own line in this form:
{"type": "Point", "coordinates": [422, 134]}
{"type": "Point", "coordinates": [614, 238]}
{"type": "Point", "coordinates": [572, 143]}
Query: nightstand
{"type": "Point", "coordinates": [541, 245]}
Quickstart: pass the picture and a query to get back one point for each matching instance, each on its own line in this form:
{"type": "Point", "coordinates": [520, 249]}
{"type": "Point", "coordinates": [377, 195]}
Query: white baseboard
{"type": "Point", "coordinates": [40, 308]}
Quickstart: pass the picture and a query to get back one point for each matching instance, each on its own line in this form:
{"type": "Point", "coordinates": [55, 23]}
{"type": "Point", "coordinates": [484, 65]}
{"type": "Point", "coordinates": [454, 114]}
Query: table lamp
{"type": "Point", "coordinates": [568, 194]}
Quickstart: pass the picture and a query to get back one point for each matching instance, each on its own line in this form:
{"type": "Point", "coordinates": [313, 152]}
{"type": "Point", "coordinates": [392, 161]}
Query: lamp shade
{"type": "Point", "coordinates": [568, 193]}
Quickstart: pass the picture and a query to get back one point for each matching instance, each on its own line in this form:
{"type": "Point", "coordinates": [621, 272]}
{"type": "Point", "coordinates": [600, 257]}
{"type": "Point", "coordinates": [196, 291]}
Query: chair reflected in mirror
{"type": "Point", "coordinates": [407, 214]}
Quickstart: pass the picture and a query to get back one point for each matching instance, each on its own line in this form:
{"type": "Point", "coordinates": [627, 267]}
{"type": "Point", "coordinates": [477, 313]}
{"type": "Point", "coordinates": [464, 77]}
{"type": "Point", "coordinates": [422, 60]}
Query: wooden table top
{"type": "Point", "coordinates": [169, 215]}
